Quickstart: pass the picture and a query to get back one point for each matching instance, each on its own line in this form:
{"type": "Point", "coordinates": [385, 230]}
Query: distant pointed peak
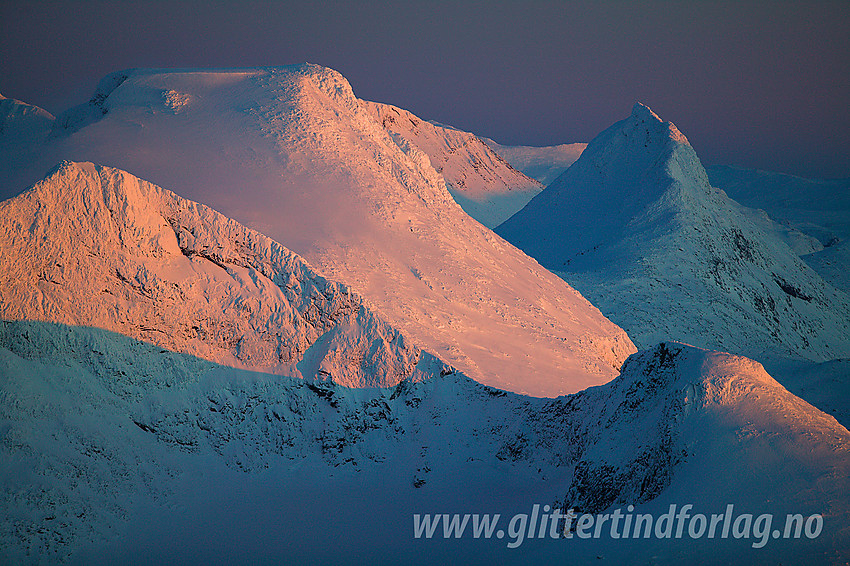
{"type": "Point", "coordinates": [642, 112]}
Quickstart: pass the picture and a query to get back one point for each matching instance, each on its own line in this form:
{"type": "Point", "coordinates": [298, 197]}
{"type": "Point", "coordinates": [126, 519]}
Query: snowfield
{"type": "Point", "coordinates": [293, 154]}
{"type": "Point", "coordinates": [310, 342]}
{"type": "Point", "coordinates": [815, 210]}
{"type": "Point", "coordinates": [112, 445]}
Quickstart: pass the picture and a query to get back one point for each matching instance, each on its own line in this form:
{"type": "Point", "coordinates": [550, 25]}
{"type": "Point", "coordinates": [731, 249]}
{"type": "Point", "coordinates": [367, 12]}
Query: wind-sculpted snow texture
{"type": "Point", "coordinates": [636, 227]}
{"type": "Point", "coordinates": [292, 153]}
{"type": "Point", "coordinates": [176, 387]}
{"type": "Point", "coordinates": [95, 246]}
{"type": "Point", "coordinates": [96, 423]}
{"type": "Point", "coordinates": [487, 187]}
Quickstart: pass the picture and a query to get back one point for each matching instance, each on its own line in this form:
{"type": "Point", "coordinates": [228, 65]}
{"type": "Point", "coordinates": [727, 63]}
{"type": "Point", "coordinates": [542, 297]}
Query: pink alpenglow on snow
{"type": "Point", "coordinates": [293, 154]}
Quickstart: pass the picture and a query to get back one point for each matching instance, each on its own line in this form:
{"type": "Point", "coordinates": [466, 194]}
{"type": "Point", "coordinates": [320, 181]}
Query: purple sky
{"type": "Point", "coordinates": [756, 84]}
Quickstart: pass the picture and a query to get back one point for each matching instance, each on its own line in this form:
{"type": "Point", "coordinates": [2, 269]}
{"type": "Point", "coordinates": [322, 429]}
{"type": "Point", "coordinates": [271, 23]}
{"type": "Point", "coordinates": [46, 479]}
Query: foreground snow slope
{"type": "Point", "coordinates": [95, 246]}
{"type": "Point", "coordinates": [542, 163]}
{"type": "Point", "coordinates": [292, 153]}
{"type": "Point", "coordinates": [114, 449]}
{"type": "Point", "coordinates": [487, 187]}
{"type": "Point", "coordinates": [635, 225]}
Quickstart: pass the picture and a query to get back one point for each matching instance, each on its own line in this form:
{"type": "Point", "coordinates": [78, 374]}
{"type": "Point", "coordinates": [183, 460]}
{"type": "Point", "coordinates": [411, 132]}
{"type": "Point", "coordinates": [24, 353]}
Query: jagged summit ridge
{"type": "Point", "coordinates": [95, 246]}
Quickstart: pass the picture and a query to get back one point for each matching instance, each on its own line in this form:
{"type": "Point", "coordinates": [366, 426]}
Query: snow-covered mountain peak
{"type": "Point", "coordinates": [96, 246]}
{"type": "Point", "coordinates": [646, 149]}
{"type": "Point", "coordinates": [643, 115]}
{"type": "Point", "coordinates": [641, 111]}
{"type": "Point", "coordinates": [173, 90]}
{"type": "Point", "coordinates": [634, 221]}
{"type": "Point", "coordinates": [331, 82]}
{"type": "Point", "coordinates": [633, 171]}
{"type": "Point", "coordinates": [291, 153]}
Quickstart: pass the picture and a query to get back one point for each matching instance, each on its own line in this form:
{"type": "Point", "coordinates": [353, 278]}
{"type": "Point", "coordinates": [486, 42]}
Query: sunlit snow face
{"type": "Point", "coordinates": [292, 152]}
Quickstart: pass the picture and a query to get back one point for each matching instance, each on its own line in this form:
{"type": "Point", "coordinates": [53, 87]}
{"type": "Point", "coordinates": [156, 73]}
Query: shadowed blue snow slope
{"type": "Point", "coordinates": [111, 446]}
{"type": "Point", "coordinates": [24, 131]}
{"type": "Point", "coordinates": [816, 208]}
{"type": "Point", "coordinates": [636, 227]}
